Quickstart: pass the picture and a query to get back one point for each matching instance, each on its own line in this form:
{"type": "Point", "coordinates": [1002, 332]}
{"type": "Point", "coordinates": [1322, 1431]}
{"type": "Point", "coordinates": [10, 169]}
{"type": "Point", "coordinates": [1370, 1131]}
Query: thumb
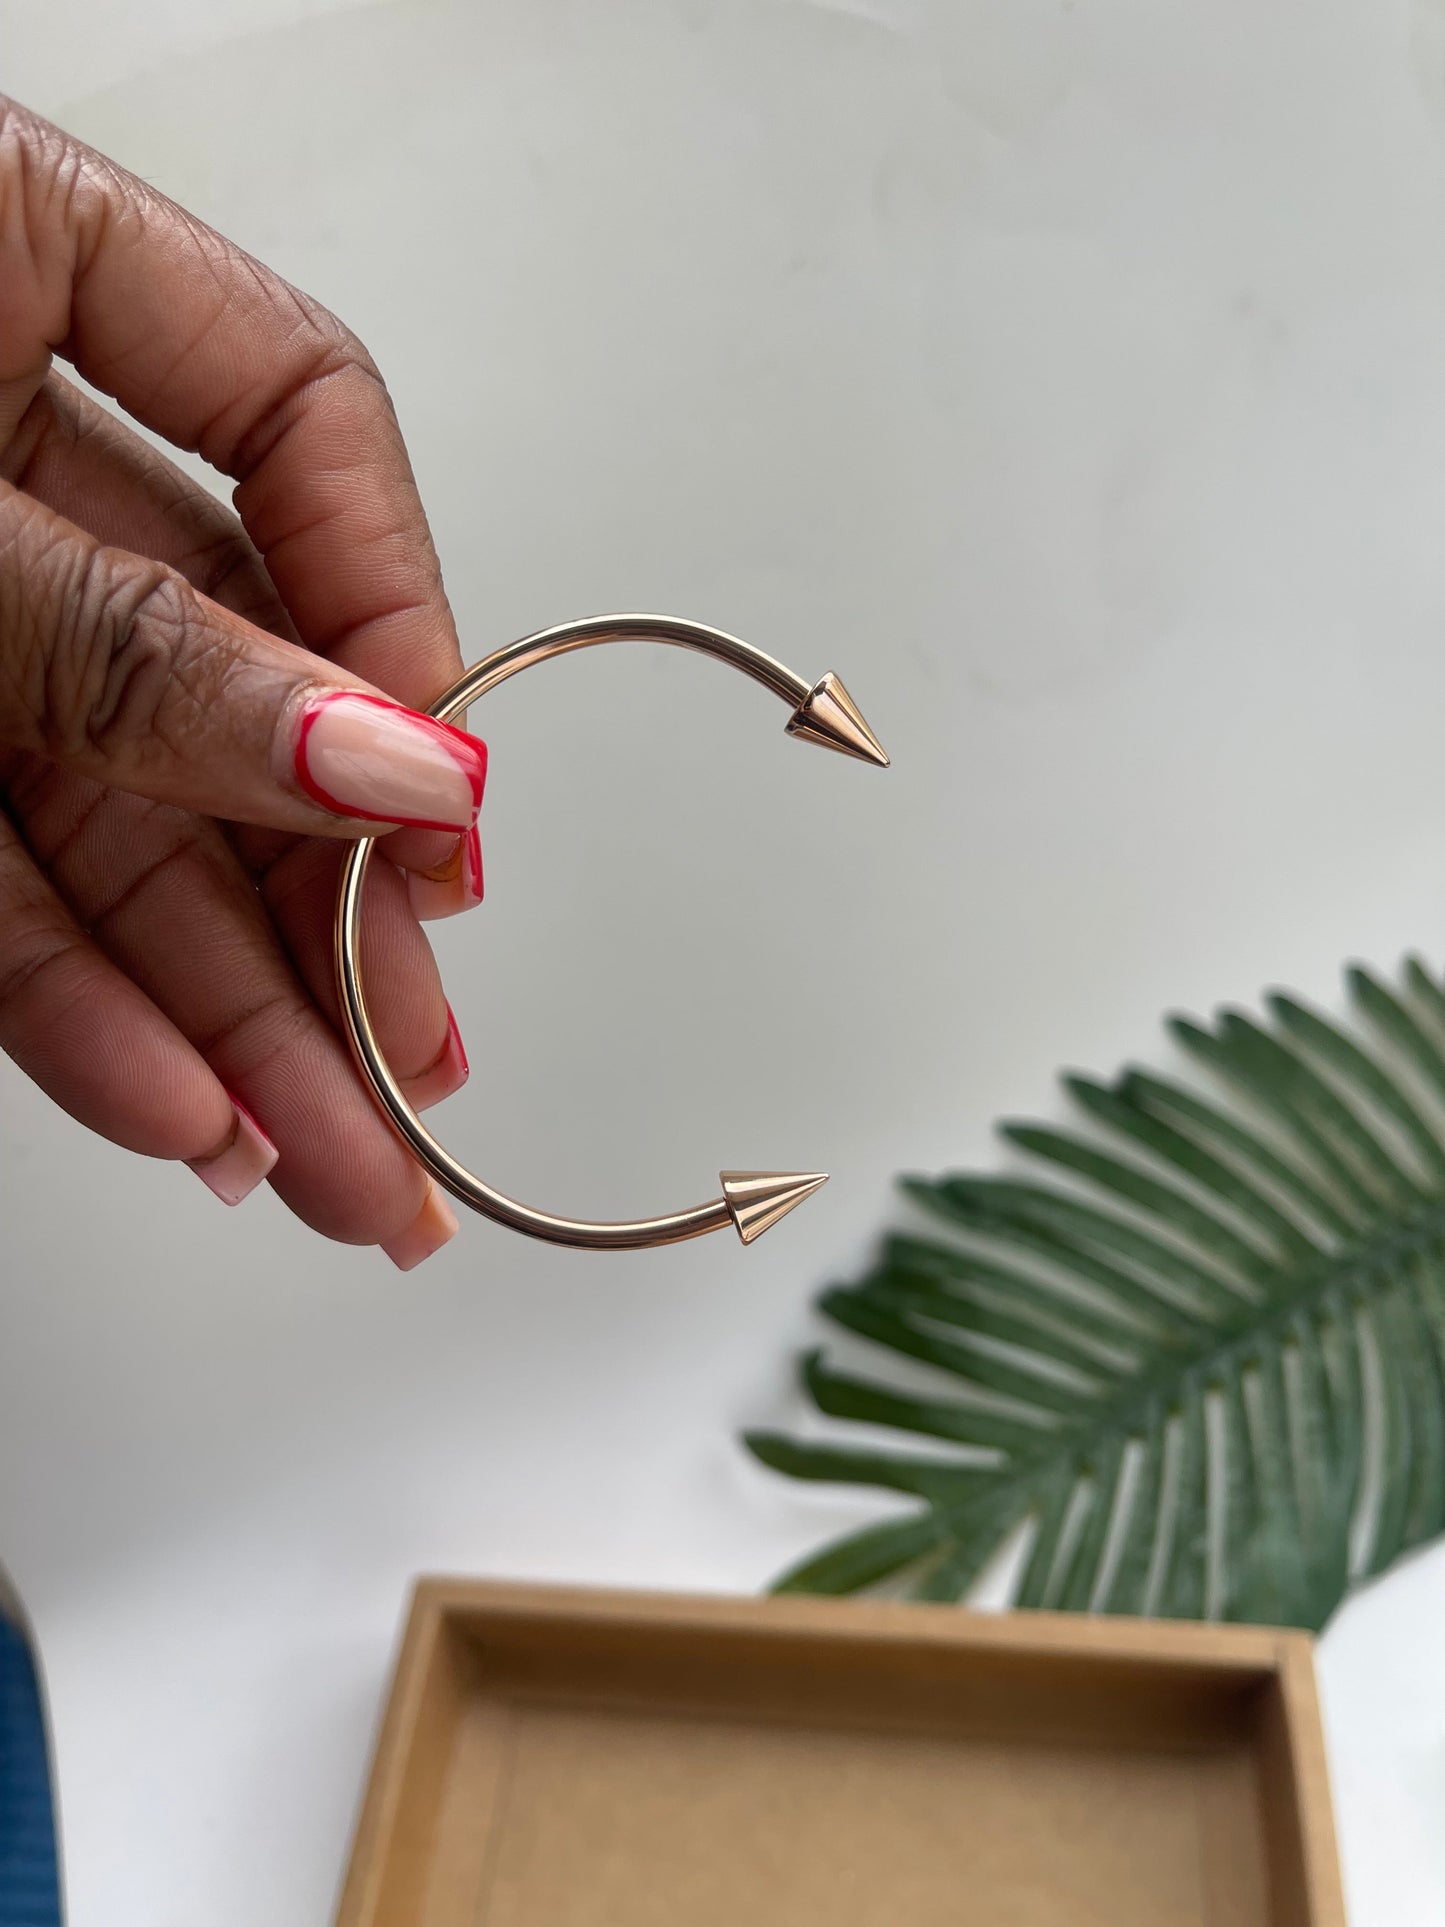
{"type": "Point", "coordinates": [118, 668]}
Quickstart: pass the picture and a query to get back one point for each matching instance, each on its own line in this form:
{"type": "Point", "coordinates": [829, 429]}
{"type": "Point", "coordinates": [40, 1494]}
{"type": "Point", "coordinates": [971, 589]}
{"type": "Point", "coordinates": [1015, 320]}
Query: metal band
{"type": "Point", "coordinates": [823, 713]}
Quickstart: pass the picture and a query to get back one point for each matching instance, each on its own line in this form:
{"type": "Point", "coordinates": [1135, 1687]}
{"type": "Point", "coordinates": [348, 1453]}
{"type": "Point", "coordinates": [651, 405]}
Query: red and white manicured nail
{"type": "Point", "coordinates": [242, 1162]}
{"type": "Point", "coordinates": [442, 1078]}
{"type": "Point", "coordinates": [452, 886]}
{"type": "Point", "coordinates": [360, 755]}
{"type": "Point", "coordinates": [433, 1226]}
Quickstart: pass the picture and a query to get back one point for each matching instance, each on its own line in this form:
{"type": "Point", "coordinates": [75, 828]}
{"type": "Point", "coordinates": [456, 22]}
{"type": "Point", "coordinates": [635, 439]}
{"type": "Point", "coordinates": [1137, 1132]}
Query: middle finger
{"type": "Point", "coordinates": [163, 895]}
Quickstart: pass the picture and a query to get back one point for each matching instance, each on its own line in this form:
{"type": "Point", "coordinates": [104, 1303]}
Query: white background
{"type": "Point", "coordinates": [1071, 378]}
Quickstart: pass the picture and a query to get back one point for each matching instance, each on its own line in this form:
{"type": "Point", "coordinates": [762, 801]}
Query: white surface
{"type": "Point", "coordinates": [1070, 377]}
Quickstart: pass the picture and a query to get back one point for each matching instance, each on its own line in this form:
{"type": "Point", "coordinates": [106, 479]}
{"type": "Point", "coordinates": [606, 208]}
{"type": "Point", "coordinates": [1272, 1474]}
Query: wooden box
{"type": "Point", "coordinates": [582, 1759]}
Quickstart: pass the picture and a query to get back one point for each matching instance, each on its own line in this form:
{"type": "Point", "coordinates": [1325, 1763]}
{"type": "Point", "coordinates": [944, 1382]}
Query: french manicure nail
{"type": "Point", "coordinates": [453, 886]}
{"type": "Point", "coordinates": [432, 1227]}
{"type": "Point", "coordinates": [238, 1167]}
{"type": "Point", "coordinates": [360, 755]}
{"type": "Point", "coordinates": [440, 1079]}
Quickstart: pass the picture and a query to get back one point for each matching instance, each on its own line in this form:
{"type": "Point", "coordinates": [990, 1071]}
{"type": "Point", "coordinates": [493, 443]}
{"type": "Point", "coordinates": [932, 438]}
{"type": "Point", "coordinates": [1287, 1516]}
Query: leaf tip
{"type": "Point", "coordinates": [1364, 986]}
{"type": "Point", "coordinates": [1081, 1085]}
{"type": "Point", "coordinates": [765, 1446]}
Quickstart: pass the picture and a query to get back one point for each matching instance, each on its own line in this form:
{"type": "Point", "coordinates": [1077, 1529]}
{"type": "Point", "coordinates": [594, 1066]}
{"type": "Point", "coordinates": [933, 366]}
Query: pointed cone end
{"type": "Point", "coordinates": [830, 717]}
{"type": "Point", "coordinates": [757, 1199]}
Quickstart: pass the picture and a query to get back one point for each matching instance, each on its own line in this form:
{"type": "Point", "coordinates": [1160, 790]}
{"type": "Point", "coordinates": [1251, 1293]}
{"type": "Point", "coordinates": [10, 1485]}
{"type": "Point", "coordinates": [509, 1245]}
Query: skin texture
{"type": "Point", "coordinates": [166, 880]}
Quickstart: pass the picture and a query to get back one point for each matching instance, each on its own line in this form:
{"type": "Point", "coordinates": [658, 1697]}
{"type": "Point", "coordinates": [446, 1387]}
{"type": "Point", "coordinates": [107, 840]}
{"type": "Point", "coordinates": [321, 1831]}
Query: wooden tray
{"type": "Point", "coordinates": [579, 1759]}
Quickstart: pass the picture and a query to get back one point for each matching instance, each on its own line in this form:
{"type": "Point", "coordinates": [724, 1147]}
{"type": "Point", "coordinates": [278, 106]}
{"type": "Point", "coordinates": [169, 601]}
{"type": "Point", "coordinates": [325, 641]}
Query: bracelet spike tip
{"type": "Point", "coordinates": [757, 1199]}
{"type": "Point", "coordinates": [829, 717]}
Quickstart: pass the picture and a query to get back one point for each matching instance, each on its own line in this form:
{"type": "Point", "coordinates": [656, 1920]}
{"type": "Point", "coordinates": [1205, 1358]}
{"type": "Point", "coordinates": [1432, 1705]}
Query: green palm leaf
{"type": "Point", "coordinates": [1201, 1357]}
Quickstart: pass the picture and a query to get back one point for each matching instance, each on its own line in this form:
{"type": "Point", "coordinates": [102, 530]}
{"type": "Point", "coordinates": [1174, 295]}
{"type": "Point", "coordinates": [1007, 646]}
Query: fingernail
{"type": "Point", "coordinates": [432, 1227]}
{"type": "Point", "coordinates": [238, 1167]}
{"type": "Point", "coordinates": [446, 1075]}
{"type": "Point", "coordinates": [363, 756]}
{"type": "Point", "coordinates": [452, 886]}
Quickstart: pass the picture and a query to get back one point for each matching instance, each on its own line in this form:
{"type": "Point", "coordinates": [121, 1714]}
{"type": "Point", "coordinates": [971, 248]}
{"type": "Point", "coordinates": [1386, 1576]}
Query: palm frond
{"type": "Point", "coordinates": [1201, 1358]}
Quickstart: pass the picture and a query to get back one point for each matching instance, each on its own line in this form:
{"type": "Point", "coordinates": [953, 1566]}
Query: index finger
{"type": "Point", "coordinates": [219, 355]}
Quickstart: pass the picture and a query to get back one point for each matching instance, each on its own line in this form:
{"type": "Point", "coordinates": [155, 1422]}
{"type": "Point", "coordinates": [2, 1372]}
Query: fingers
{"type": "Point", "coordinates": [217, 354]}
{"type": "Point", "coordinates": [451, 886]}
{"type": "Point", "coordinates": [92, 1040]}
{"type": "Point", "coordinates": [123, 671]}
{"type": "Point", "coordinates": [97, 472]}
{"type": "Point", "coordinates": [79, 459]}
{"type": "Point", "coordinates": [167, 903]}
{"type": "Point", "coordinates": [117, 668]}
{"type": "Point", "coordinates": [413, 1021]}
{"type": "Point", "coordinates": [100, 475]}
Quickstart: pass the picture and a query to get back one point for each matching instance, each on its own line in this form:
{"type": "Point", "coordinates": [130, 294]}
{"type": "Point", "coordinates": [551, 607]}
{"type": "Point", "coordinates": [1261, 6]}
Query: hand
{"type": "Point", "coordinates": [197, 708]}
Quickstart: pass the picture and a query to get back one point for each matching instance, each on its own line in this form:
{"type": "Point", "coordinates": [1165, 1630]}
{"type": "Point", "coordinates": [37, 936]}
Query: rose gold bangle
{"type": "Point", "coordinates": [752, 1201]}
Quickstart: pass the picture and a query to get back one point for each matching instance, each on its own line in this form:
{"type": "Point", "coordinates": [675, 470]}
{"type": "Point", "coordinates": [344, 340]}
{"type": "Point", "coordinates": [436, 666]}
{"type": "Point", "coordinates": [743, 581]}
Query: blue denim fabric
{"type": "Point", "coordinates": [29, 1875]}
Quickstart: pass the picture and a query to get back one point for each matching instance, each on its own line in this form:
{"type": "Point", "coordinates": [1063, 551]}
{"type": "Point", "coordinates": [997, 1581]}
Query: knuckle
{"type": "Point", "coordinates": [29, 598]}
{"type": "Point", "coordinates": [168, 844]}
{"type": "Point", "coordinates": [224, 567]}
{"type": "Point", "coordinates": [276, 1032]}
{"type": "Point", "coordinates": [37, 950]}
{"type": "Point", "coordinates": [370, 1192]}
{"type": "Point", "coordinates": [24, 149]}
{"type": "Point", "coordinates": [338, 352]}
{"type": "Point", "coordinates": [332, 345]}
{"type": "Point", "coordinates": [40, 177]}
{"type": "Point", "coordinates": [121, 630]}
{"type": "Point", "coordinates": [322, 351]}
{"type": "Point", "coordinates": [39, 939]}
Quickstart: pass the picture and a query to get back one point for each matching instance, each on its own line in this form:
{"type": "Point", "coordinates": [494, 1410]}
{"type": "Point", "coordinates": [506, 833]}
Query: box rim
{"type": "Point", "coordinates": [1281, 1658]}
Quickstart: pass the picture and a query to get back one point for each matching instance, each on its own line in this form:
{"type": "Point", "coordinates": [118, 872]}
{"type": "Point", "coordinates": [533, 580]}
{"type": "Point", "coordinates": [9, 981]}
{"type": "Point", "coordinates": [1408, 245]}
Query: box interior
{"type": "Point", "coordinates": [567, 1774]}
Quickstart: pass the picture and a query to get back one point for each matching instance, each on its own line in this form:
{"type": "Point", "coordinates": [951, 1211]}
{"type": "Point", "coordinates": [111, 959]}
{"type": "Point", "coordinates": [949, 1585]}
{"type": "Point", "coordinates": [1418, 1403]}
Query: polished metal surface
{"type": "Point", "coordinates": [822, 713]}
